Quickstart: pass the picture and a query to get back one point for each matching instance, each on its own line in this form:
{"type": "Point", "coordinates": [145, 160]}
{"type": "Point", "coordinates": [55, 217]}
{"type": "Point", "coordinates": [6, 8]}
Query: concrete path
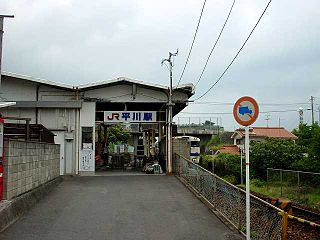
{"type": "Point", "coordinates": [119, 207]}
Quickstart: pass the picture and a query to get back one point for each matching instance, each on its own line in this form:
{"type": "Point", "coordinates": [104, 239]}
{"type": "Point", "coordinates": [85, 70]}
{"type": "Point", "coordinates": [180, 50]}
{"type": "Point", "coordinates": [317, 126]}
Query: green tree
{"type": "Point", "coordinates": [309, 138]}
{"type": "Point", "coordinates": [273, 153]}
{"type": "Point", "coordinates": [227, 164]}
{"type": "Point", "coordinates": [214, 141]}
{"type": "Point", "coordinates": [116, 134]}
{"type": "Point", "coordinates": [304, 134]}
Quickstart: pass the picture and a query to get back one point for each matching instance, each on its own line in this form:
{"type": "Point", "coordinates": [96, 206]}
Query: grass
{"type": "Point", "coordinates": [307, 196]}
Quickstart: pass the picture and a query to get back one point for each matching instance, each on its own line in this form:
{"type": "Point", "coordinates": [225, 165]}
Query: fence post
{"type": "Point", "coordinates": [213, 191]}
{"type": "Point", "coordinates": [281, 181]}
{"type": "Point", "coordinates": [187, 172]}
{"type": "Point", "coordinates": [267, 179]}
{"type": "Point", "coordinates": [180, 168]}
{"type": "Point", "coordinates": [239, 209]}
{"type": "Point", "coordinates": [201, 179]}
{"type": "Point", "coordinates": [284, 225]}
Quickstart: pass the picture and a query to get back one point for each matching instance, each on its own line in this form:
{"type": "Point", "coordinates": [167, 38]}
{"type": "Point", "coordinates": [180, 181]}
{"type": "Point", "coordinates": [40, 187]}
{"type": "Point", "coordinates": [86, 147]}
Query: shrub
{"type": "Point", "coordinates": [231, 179]}
{"type": "Point", "coordinates": [258, 183]}
{"type": "Point", "coordinates": [273, 153]}
{"type": "Point", "coordinates": [227, 164]}
{"type": "Point", "coordinates": [204, 159]}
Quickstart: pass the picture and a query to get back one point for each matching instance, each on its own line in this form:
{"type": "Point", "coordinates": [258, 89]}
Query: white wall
{"type": "Point", "coordinates": [13, 89]}
{"type": "Point", "coordinates": [123, 93]}
{"type": "Point", "coordinates": [47, 93]}
{"type": "Point", "coordinates": [87, 119]}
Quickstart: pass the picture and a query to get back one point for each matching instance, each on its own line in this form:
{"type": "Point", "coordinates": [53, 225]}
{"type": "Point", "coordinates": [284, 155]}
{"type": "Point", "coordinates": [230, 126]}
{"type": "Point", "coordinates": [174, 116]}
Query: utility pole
{"type": "Point", "coordinates": [280, 126]}
{"type": "Point", "coordinates": [280, 122]}
{"type": "Point", "coordinates": [301, 115]}
{"type": "Point", "coordinates": [1, 36]}
{"type": "Point", "coordinates": [170, 106]}
{"type": "Point", "coordinates": [218, 128]}
{"type": "Point", "coordinates": [267, 119]}
{"type": "Point", "coordinates": [312, 115]}
{"type": "Point", "coordinates": [319, 115]}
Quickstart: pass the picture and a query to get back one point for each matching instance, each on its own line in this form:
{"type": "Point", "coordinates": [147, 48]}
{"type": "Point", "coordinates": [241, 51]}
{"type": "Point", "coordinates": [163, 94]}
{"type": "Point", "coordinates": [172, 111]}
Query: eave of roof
{"type": "Point", "coordinates": [98, 84]}
{"type": "Point", "coordinates": [39, 80]}
{"type": "Point", "coordinates": [187, 88]}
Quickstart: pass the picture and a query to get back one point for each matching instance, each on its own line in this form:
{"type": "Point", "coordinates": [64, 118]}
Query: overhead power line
{"type": "Point", "coordinates": [216, 113]}
{"type": "Point", "coordinates": [262, 104]}
{"type": "Point", "coordinates": [194, 38]}
{"type": "Point", "coordinates": [234, 58]}
{"type": "Point", "coordinates": [215, 44]}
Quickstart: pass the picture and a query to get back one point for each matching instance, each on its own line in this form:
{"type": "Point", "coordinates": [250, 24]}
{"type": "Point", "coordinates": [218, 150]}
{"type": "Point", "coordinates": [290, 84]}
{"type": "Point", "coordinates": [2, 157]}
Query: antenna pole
{"type": "Point", "coordinates": [267, 119]}
{"type": "Point", "coordinates": [312, 114]}
{"type": "Point", "coordinates": [170, 109]}
{"type": "Point", "coordinates": [300, 115]}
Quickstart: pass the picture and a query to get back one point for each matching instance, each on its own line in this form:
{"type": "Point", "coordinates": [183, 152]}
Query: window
{"type": "Point", "coordinates": [87, 138]}
{"type": "Point", "coordinates": [195, 144]}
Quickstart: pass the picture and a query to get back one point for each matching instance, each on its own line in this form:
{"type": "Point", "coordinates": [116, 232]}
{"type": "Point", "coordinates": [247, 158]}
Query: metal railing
{"type": "Point", "coordinates": [267, 221]}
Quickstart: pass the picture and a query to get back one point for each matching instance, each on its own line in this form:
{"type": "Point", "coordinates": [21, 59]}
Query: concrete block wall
{"type": "Point", "coordinates": [181, 147]}
{"type": "Point", "coordinates": [27, 165]}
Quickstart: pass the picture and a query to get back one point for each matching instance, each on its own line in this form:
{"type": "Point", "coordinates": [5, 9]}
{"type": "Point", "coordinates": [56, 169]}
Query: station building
{"type": "Point", "coordinates": [75, 114]}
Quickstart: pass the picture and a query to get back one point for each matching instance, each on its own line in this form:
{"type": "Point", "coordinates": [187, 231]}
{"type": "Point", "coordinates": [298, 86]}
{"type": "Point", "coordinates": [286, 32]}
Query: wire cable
{"type": "Point", "coordinates": [261, 104]}
{"type": "Point", "coordinates": [216, 113]}
{"type": "Point", "coordinates": [215, 44]}
{"type": "Point", "coordinates": [234, 58]}
{"type": "Point", "coordinates": [194, 38]}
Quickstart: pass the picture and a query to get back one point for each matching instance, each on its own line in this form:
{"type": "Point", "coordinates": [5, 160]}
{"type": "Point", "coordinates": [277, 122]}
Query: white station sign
{"type": "Point", "coordinates": [129, 116]}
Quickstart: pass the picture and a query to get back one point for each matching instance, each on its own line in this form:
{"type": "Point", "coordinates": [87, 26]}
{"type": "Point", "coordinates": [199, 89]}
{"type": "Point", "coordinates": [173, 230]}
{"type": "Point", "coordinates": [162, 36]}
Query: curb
{"type": "Point", "coordinates": [13, 209]}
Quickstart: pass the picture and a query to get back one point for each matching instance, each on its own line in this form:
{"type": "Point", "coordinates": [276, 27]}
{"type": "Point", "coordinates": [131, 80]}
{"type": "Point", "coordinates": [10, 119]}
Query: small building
{"type": "Point", "coordinates": [261, 133]}
{"type": "Point", "coordinates": [231, 149]}
{"type": "Point", "coordinates": [76, 113]}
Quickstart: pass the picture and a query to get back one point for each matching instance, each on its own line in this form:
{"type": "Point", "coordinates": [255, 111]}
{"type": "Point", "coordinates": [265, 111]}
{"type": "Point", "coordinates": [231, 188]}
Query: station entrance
{"type": "Point", "coordinates": [131, 140]}
{"type": "Point", "coordinates": [123, 125]}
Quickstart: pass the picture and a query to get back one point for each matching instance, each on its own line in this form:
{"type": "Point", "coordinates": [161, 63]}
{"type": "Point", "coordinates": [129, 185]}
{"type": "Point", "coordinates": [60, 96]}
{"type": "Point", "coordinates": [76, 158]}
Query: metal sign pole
{"type": "Point", "coordinates": [241, 162]}
{"type": "Point", "coordinates": [247, 183]}
{"type": "Point", "coordinates": [245, 112]}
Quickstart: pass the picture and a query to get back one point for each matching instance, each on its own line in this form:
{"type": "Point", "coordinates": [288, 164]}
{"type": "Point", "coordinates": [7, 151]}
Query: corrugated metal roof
{"type": "Point", "coordinates": [120, 79]}
{"type": "Point", "coordinates": [38, 80]}
{"type": "Point", "coordinates": [182, 87]}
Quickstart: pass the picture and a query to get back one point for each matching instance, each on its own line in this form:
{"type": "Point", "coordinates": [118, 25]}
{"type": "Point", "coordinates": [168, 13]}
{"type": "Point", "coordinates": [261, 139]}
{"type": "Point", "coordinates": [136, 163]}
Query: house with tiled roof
{"type": "Point", "coordinates": [261, 133]}
{"type": "Point", "coordinates": [232, 149]}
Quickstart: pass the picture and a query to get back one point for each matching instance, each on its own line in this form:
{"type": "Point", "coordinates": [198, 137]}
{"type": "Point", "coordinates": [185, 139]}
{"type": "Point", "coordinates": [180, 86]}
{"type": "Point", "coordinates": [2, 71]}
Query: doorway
{"type": "Point", "coordinates": [125, 147]}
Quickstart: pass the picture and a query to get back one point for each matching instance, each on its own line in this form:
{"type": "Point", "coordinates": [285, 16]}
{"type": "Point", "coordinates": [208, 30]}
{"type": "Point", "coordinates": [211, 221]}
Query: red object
{"type": "Point", "coordinates": [1, 162]}
{"type": "Point", "coordinates": [1, 182]}
{"type": "Point", "coordinates": [253, 117]}
{"type": "Point", "coordinates": [271, 132]}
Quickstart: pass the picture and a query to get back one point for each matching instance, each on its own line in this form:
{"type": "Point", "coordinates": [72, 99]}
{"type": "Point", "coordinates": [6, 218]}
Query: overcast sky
{"type": "Point", "coordinates": [77, 41]}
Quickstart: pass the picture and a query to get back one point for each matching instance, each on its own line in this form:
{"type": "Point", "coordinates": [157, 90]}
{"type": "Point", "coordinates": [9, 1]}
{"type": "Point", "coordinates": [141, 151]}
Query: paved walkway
{"type": "Point", "coordinates": [119, 207]}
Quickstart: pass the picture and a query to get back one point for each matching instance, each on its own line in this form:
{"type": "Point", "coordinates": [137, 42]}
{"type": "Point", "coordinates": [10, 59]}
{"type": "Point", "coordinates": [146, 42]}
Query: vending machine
{"type": "Point", "coordinates": [1, 158]}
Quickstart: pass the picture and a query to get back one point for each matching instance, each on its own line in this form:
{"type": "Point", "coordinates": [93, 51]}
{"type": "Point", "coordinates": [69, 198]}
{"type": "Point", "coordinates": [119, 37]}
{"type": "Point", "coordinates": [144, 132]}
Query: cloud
{"type": "Point", "coordinates": [79, 42]}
